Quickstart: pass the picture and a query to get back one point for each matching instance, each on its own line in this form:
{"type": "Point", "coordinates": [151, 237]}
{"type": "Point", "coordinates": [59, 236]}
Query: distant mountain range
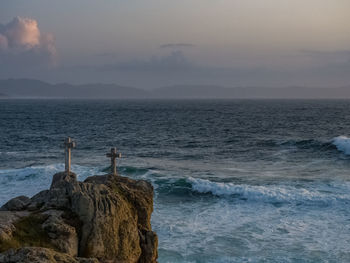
{"type": "Point", "coordinates": [30, 88]}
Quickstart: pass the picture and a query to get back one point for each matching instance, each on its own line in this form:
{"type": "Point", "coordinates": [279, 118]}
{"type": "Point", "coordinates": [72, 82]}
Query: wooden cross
{"type": "Point", "coordinates": [113, 155]}
{"type": "Point", "coordinates": [68, 145]}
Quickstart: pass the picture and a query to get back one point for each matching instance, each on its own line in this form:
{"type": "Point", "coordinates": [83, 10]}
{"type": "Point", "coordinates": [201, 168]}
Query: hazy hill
{"type": "Point", "coordinates": [184, 91]}
{"type": "Point", "coordinates": [35, 88]}
{"type": "Point", "coordinates": [206, 91]}
{"type": "Point", "coordinates": [25, 88]}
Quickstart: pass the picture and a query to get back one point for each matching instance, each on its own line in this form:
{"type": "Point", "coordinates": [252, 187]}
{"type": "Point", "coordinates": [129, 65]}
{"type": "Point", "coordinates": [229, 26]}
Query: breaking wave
{"type": "Point", "coordinates": [44, 171]}
{"type": "Point", "coordinates": [342, 143]}
{"type": "Point", "coordinates": [273, 193]}
{"type": "Point", "coordinates": [29, 180]}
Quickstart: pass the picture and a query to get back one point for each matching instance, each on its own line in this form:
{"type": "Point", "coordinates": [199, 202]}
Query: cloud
{"type": "Point", "coordinates": [107, 54]}
{"type": "Point", "coordinates": [22, 33]}
{"type": "Point", "coordinates": [177, 45]}
{"type": "Point", "coordinates": [3, 42]}
{"type": "Point", "coordinates": [176, 67]}
{"type": "Point", "coordinates": [328, 57]}
{"type": "Point", "coordinates": [326, 53]}
{"type": "Point", "coordinates": [175, 61]}
{"type": "Point", "coordinates": [21, 42]}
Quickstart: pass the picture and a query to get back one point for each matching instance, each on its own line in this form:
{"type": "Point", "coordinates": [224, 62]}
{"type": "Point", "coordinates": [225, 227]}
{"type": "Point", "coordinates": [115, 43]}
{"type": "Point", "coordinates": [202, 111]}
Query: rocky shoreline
{"type": "Point", "coordinates": [103, 219]}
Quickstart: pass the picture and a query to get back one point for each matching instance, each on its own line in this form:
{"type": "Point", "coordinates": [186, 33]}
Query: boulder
{"type": "Point", "coordinates": [105, 217]}
{"type": "Point", "coordinates": [7, 225]}
{"type": "Point", "coordinates": [17, 204]}
{"type": "Point", "coordinates": [61, 233]}
{"type": "Point", "coordinates": [40, 255]}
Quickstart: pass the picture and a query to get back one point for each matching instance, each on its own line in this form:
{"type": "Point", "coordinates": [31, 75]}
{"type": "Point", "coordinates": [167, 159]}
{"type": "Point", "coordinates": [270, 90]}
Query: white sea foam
{"type": "Point", "coordinates": [268, 193]}
{"type": "Point", "coordinates": [219, 230]}
{"type": "Point", "coordinates": [342, 143]}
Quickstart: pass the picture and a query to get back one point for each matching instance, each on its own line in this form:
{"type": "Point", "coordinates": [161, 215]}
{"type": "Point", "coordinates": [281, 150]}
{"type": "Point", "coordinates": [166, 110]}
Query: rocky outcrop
{"type": "Point", "coordinates": [105, 218]}
{"type": "Point", "coordinates": [16, 204]}
{"type": "Point", "coordinates": [40, 255]}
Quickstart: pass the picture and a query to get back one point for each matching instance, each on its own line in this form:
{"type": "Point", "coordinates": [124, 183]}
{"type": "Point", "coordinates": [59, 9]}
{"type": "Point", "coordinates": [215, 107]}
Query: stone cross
{"type": "Point", "coordinates": [68, 145]}
{"type": "Point", "coordinates": [113, 155]}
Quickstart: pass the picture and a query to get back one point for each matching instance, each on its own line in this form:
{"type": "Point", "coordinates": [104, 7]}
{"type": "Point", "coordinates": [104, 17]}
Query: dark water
{"type": "Point", "coordinates": [235, 181]}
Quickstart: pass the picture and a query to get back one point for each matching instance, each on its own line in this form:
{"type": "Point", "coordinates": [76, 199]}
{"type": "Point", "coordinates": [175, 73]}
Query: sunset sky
{"type": "Point", "coordinates": [154, 43]}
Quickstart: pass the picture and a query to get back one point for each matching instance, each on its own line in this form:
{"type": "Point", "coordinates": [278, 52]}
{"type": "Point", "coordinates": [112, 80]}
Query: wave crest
{"type": "Point", "coordinates": [342, 143]}
{"type": "Point", "coordinates": [270, 193]}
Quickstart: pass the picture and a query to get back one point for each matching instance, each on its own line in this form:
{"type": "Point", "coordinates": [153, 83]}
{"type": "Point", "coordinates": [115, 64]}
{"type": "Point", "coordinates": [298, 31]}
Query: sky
{"type": "Point", "coordinates": [154, 43]}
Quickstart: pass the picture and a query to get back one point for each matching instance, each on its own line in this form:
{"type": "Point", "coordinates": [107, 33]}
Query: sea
{"type": "Point", "coordinates": [234, 180]}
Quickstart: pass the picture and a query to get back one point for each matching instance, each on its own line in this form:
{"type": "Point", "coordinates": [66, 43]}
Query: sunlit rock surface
{"type": "Point", "coordinates": [103, 219]}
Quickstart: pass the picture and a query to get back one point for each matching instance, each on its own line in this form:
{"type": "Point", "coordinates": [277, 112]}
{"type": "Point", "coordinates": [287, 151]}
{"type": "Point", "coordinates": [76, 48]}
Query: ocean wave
{"type": "Point", "coordinates": [342, 143]}
{"type": "Point", "coordinates": [298, 144]}
{"type": "Point", "coordinates": [47, 171]}
{"type": "Point", "coordinates": [134, 171]}
{"type": "Point", "coordinates": [10, 153]}
{"type": "Point", "coordinates": [308, 144]}
{"type": "Point", "coordinates": [33, 172]}
{"type": "Point", "coordinates": [269, 193]}
{"type": "Point", "coordinates": [30, 180]}
{"type": "Point", "coordinates": [302, 143]}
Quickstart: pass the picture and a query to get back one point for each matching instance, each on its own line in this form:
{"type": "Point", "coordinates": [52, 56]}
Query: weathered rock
{"type": "Point", "coordinates": [62, 236]}
{"type": "Point", "coordinates": [149, 246]}
{"type": "Point", "coordinates": [130, 213]}
{"type": "Point", "coordinates": [38, 200]}
{"type": "Point", "coordinates": [26, 230]}
{"type": "Point", "coordinates": [104, 217]}
{"type": "Point", "coordinates": [40, 255]}
{"type": "Point", "coordinates": [16, 204]}
{"type": "Point", "coordinates": [7, 227]}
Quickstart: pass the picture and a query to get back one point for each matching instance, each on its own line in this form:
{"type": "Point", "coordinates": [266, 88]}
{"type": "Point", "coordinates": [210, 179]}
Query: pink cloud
{"type": "Point", "coordinates": [3, 42]}
{"type": "Point", "coordinates": [22, 36]}
{"type": "Point", "coordinates": [23, 33]}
